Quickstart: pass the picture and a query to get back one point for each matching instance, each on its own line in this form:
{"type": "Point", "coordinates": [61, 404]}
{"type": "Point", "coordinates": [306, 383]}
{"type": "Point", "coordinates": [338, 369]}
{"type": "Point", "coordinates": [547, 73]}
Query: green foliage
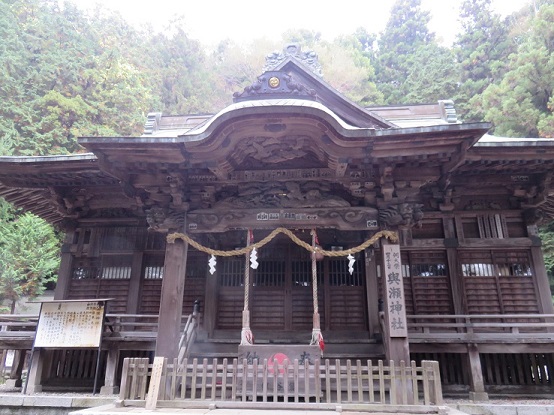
{"type": "Point", "coordinates": [405, 34]}
{"type": "Point", "coordinates": [66, 73]}
{"type": "Point", "coordinates": [29, 257]}
{"type": "Point", "coordinates": [431, 62]}
{"type": "Point", "coordinates": [522, 103]}
{"type": "Point", "coordinates": [482, 49]}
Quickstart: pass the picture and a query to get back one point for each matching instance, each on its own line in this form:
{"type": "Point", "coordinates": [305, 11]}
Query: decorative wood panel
{"type": "Point", "coordinates": [269, 292]}
{"type": "Point", "coordinates": [114, 289]}
{"type": "Point", "coordinates": [150, 296]}
{"type": "Point", "coordinates": [498, 282]}
{"type": "Point", "coordinates": [281, 296]}
{"type": "Point", "coordinates": [516, 282]}
{"type": "Point", "coordinates": [303, 308]}
{"type": "Point", "coordinates": [195, 283]}
{"type": "Point", "coordinates": [230, 297]}
{"type": "Point", "coordinates": [348, 307]}
{"type": "Point", "coordinates": [426, 283]}
{"type": "Point", "coordinates": [430, 283]}
{"type": "Point", "coordinates": [230, 303]}
{"type": "Point", "coordinates": [268, 309]}
{"type": "Point", "coordinates": [151, 283]}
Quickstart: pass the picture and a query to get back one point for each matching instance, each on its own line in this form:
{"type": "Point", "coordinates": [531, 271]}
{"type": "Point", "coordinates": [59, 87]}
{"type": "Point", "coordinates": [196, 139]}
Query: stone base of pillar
{"type": "Point", "coordinates": [109, 390]}
{"type": "Point", "coordinates": [478, 396]}
{"type": "Point", "coordinates": [34, 389]}
{"type": "Point", "coordinates": [13, 383]}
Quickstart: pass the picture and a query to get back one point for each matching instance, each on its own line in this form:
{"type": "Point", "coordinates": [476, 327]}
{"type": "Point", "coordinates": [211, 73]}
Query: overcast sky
{"type": "Point", "coordinates": [211, 21]}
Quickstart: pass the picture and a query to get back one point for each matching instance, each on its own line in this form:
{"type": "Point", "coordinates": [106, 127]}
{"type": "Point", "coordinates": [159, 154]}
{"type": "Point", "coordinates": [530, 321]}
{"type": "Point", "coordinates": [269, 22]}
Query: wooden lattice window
{"type": "Point", "coordinates": [155, 241]}
{"type": "Point", "coordinates": [153, 267]}
{"type": "Point", "coordinates": [86, 269]}
{"type": "Point", "coordinates": [428, 264]}
{"type": "Point", "coordinates": [430, 228]}
{"type": "Point", "coordinates": [232, 272]}
{"type": "Point", "coordinates": [270, 274]}
{"type": "Point", "coordinates": [116, 267]}
{"type": "Point", "coordinates": [340, 276]}
{"type": "Point", "coordinates": [120, 238]}
{"type": "Point", "coordinates": [302, 273]}
{"type": "Point", "coordinates": [513, 264]}
{"type": "Point", "coordinates": [485, 226]}
{"type": "Point", "coordinates": [498, 282]}
{"type": "Point", "coordinates": [426, 283]}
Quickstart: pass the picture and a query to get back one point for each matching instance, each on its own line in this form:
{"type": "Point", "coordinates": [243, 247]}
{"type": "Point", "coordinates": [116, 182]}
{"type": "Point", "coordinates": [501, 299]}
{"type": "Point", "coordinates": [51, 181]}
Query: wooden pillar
{"type": "Point", "coordinates": [477, 384]}
{"type": "Point", "coordinates": [66, 265]}
{"type": "Point", "coordinates": [541, 276]}
{"type": "Point", "coordinates": [34, 381]}
{"type": "Point", "coordinates": [135, 282]}
{"type": "Point", "coordinates": [110, 387]}
{"type": "Point", "coordinates": [171, 303]}
{"type": "Point", "coordinates": [455, 278]}
{"type": "Point", "coordinates": [17, 369]}
{"type": "Point", "coordinates": [372, 292]}
{"type": "Point", "coordinates": [395, 337]}
{"type": "Point", "coordinates": [210, 302]}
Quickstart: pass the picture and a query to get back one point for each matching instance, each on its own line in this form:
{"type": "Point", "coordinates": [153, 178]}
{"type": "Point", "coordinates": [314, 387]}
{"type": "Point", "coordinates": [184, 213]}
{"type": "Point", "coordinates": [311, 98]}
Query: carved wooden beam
{"type": "Point", "coordinates": [344, 218]}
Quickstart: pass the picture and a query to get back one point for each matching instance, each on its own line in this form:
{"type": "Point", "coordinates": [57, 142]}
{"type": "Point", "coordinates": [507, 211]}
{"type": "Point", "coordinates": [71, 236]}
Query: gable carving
{"type": "Point", "coordinates": [275, 84]}
{"type": "Point", "coordinates": [280, 195]}
{"type": "Point", "coordinates": [276, 150]}
{"type": "Point", "coordinates": [308, 58]}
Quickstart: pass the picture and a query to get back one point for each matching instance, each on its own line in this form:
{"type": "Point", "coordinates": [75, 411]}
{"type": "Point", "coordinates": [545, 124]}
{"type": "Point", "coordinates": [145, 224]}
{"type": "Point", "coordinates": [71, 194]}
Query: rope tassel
{"type": "Point", "coordinates": [317, 339]}
{"type": "Point", "coordinates": [246, 337]}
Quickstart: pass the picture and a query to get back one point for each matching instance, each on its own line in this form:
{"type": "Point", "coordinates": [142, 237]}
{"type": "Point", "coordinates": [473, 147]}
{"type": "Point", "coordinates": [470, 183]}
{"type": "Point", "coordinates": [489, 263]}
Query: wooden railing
{"type": "Point", "coordinates": [481, 328]}
{"type": "Point", "coordinates": [17, 331]}
{"type": "Point", "coordinates": [325, 382]}
{"type": "Point", "coordinates": [189, 336]}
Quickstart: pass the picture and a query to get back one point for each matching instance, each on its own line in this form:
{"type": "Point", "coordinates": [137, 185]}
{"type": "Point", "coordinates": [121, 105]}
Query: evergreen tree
{"type": "Point", "coordinates": [482, 50]}
{"type": "Point", "coordinates": [406, 31]}
{"type": "Point", "coordinates": [433, 74]}
{"type": "Point", "coordinates": [522, 103]}
{"type": "Point", "coordinates": [29, 256]}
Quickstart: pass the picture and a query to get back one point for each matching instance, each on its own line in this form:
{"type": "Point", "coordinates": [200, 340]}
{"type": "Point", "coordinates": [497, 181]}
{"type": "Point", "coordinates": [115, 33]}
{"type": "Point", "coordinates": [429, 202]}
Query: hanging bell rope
{"type": "Point", "coordinates": [246, 336]}
{"type": "Point", "coordinates": [391, 236]}
{"type": "Point", "coordinates": [317, 336]}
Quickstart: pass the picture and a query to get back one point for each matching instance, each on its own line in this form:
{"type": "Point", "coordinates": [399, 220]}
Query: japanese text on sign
{"type": "Point", "coordinates": [394, 291]}
{"type": "Point", "coordinates": [70, 324]}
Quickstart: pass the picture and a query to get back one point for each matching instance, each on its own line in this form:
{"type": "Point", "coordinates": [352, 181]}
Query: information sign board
{"type": "Point", "coordinates": [65, 324]}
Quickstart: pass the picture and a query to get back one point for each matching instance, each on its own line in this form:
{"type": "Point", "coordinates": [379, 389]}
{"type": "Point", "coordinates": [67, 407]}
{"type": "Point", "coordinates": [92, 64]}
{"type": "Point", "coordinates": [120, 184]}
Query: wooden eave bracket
{"type": "Point", "coordinates": [457, 159]}
{"type": "Point", "coordinates": [543, 192]}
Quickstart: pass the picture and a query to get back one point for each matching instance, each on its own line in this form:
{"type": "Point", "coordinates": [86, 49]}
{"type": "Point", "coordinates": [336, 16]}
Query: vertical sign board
{"type": "Point", "coordinates": [394, 286]}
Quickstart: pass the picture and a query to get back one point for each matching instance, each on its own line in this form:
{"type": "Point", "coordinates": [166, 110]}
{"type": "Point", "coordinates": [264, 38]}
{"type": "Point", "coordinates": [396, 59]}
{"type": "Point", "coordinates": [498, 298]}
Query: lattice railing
{"type": "Point", "coordinates": [323, 382]}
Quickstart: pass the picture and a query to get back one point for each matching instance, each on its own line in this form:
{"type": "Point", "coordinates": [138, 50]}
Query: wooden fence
{"type": "Point", "coordinates": [325, 382]}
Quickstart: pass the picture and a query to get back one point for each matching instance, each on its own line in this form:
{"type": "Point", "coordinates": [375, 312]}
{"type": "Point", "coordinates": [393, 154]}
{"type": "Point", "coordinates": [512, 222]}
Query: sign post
{"type": "Point", "coordinates": [70, 324]}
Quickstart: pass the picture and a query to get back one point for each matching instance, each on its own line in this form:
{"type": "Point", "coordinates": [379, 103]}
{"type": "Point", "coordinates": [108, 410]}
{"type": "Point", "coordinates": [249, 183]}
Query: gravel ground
{"type": "Point", "coordinates": [448, 401]}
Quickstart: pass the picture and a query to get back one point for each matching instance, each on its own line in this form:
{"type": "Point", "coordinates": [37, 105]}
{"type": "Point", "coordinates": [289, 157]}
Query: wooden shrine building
{"type": "Point", "coordinates": [291, 152]}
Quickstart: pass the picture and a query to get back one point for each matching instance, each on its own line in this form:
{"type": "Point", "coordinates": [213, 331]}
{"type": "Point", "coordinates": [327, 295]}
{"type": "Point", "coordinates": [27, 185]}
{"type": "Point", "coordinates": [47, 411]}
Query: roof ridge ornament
{"type": "Point", "coordinates": [308, 58]}
{"type": "Point", "coordinates": [275, 84]}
